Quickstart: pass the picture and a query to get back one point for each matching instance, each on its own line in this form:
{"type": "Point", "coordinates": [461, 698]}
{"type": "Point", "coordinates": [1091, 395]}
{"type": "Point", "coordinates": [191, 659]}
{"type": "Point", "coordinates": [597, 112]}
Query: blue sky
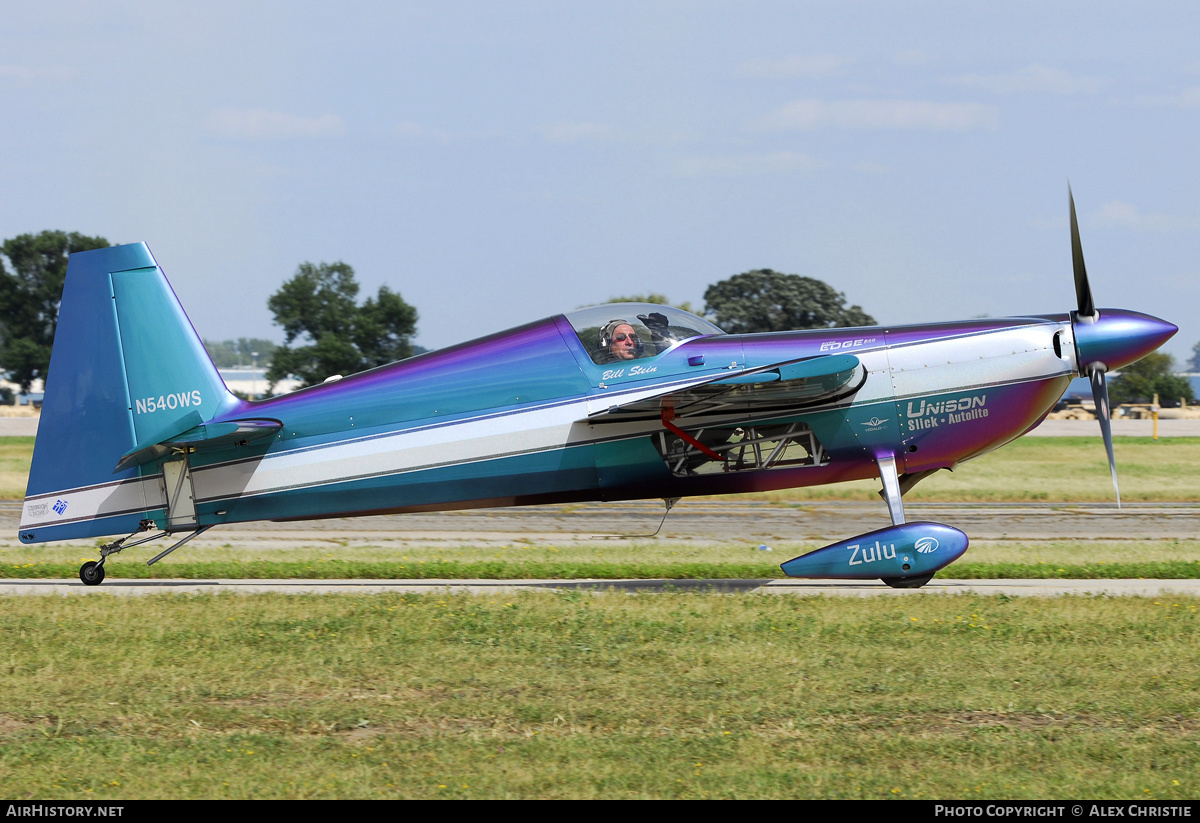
{"type": "Point", "coordinates": [498, 162]}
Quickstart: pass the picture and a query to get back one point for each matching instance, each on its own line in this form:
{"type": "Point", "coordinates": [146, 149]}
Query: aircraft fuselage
{"type": "Point", "coordinates": [510, 420]}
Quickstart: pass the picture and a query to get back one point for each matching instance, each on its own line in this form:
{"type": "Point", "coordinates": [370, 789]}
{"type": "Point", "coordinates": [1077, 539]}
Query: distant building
{"type": "Point", "coordinates": [249, 382]}
{"type": "Point", "coordinates": [253, 382]}
{"type": "Point", "coordinates": [31, 398]}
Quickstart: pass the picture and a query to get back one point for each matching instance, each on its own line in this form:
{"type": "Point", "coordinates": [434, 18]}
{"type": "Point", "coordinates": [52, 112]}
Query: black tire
{"type": "Point", "coordinates": [92, 573]}
{"type": "Point", "coordinates": [907, 582]}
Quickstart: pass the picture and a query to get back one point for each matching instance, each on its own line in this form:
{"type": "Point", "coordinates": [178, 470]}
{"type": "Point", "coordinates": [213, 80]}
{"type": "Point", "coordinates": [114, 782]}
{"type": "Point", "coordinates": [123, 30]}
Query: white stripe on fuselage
{"type": "Point", "coordinates": [89, 502]}
{"type": "Point", "coordinates": [523, 432]}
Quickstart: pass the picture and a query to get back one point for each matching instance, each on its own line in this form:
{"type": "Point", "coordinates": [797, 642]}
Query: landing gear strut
{"type": "Point", "coordinates": [92, 572]}
{"type": "Point", "coordinates": [893, 493]}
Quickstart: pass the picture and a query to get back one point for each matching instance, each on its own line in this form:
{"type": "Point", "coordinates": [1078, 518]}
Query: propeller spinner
{"type": "Point", "coordinates": [1108, 340]}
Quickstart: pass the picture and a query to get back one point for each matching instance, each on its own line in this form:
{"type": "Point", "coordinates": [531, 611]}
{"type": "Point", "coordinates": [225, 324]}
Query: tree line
{"type": "Point", "coordinates": [327, 331]}
{"type": "Point", "coordinates": [243, 353]}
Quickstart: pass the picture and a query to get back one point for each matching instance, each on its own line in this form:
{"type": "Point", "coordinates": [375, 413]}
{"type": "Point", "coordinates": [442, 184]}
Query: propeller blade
{"type": "Point", "coordinates": [1100, 395]}
{"type": "Point", "coordinates": [1083, 292]}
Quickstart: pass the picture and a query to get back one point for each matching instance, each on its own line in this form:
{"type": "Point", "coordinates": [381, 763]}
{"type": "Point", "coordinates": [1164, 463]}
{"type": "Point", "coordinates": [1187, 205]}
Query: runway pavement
{"type": "Point", "coordinates": [714, 520]}
{"type": "Point", "coordinates": [803, 588]}
{"type": "Point", "coordinates": [691, 521]}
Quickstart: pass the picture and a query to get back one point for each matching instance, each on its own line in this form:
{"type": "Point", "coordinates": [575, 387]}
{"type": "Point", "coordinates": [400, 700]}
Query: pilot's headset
{"type": "Point", "coordinates": [610, 328]}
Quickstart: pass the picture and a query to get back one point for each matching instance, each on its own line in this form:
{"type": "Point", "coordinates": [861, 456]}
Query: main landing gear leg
{"type": "Point", "coordinates": [903, 555]}
{"type": "Point", "coordinates": [893, 495]}
{"type": "Point", "coordinates": [891, 487]}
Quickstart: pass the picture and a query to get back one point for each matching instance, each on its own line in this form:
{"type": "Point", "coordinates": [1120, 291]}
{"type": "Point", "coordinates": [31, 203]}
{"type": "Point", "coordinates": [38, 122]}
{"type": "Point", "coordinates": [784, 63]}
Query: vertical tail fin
{"type": "Point", "coordinates": [127, 366]}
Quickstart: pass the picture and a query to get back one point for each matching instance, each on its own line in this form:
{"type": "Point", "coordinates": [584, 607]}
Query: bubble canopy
{"type": "Point", "coordinates": [655, 330]}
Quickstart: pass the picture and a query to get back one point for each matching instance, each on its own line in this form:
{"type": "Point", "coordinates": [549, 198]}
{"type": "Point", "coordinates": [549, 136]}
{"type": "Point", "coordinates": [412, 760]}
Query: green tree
{"type": "Point", "coordinates": [318, 307]}
{"type": "Point", "coordinates": [245, 351]}
{"type": "Point", "coordinates": [655, 298]}
{"type": "Point", "coordinates": [33, 268]}
{"type": "Point", "coordinates": [1139, 382]}
{"type": "Point", "coordinates": [1194, 365]}
{"type": "Point", "coordinates": [766, 300]}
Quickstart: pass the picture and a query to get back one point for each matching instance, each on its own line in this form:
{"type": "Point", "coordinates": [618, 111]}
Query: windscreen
{"type": "Point", "coordinates": [618, 332]}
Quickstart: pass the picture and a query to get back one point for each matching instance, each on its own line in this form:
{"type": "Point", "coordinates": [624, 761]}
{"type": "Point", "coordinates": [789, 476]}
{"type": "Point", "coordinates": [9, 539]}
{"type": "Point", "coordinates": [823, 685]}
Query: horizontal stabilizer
{"type": "Point", "coordinates": [189, 433]}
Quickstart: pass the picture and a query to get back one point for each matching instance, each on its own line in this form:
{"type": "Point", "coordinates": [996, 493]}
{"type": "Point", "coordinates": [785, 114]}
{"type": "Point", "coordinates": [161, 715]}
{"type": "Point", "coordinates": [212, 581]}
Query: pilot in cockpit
{"type": "Point", "coordinates": [619, 339]}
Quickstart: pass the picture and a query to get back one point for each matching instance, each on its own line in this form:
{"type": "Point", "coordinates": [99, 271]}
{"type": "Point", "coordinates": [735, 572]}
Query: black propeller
{"type": "Point", "coordinates": [1083, 292]}
{"type": "Point", "coordinates": [1096, 369]}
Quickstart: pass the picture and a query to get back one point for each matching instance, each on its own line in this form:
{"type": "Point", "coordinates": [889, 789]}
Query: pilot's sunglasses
{"type": "Point", "coordinates": [621, 338]}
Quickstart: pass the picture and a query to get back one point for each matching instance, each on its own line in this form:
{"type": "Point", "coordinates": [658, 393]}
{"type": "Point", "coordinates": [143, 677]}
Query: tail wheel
{"type": "Point", "coordinates": [92, 573]}
{"type": "Point", "coordinates": [907, 582]}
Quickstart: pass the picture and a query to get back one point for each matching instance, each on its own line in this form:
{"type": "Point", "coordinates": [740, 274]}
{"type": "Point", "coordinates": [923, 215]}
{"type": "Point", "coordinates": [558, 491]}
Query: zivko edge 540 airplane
{"type": "Point", "coordinates": [139, 434]}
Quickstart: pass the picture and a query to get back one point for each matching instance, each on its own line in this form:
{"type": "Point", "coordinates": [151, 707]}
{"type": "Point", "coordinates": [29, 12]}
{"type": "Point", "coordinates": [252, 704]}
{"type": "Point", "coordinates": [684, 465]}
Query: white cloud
{"type": "Point", "coordinates": [1186, 99]}
{"type": "Point", "coordinates": [780, 162]}
{"type": "Point", "coordinates": [258, 124]}
{"type": "Point", "coordinates": [565, 132]}
{"type": "Point", "coordinates": [911, 57]}
{"type": "Point", "coordinates": [867, 167]}
{"type": "Point", "coordinates": [1033, 78]}
{"type": "Point", "coordinates": [820, 65]}
{"type": "Point", "coordinates": [407, 128]}
{"type": "Point", "coordinates": [412, 130]}
{"type": "Point", "coordinates": [881, 114]}
{"type": "Point", "coordinates": [1118, 213]}
{"type": "Point", "coordinates": [25, 74]}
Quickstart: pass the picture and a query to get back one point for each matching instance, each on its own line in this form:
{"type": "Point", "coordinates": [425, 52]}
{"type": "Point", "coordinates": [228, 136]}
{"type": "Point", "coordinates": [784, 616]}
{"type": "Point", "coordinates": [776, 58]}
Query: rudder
{"type": "Point", "coordinates": [127, 367]}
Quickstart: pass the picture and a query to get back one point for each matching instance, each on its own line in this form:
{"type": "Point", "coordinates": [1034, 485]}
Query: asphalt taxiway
{"type": "Point", "coordinates": [804, 588]}
{"type": "Point", "coordinates": [716, 520]}
{"type": "Point", "coordinates": [691, 521]}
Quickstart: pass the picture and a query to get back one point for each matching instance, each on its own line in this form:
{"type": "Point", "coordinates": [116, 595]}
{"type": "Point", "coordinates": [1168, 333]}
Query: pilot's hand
{"type": "Point", "coordinates": [657, 323]}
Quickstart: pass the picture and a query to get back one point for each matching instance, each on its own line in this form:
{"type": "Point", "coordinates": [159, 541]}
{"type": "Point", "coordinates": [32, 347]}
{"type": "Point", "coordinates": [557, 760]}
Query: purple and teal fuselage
{"type": "Point", "coordinates": [516, 418]}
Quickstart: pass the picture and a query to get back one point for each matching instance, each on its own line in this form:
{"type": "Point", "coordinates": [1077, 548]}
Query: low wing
{"type": "Point", "coordinates": [794, 384]}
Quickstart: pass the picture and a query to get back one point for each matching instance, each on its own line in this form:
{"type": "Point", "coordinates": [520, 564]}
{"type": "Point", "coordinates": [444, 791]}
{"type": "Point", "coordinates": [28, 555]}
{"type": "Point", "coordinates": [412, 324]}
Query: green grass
{"type": "Point", "coordinates": [1056, 469]}
{"type": "Point", "coordinates": [606, 695]}
{"type": "Point", "coordinates": [16, 454]}
{"type": "Point", "coordinates": [1048, 469]}
{"type": "Point", "coordinates": [1075, 468]}
{"type": "Point", "coordinates": [572, 695]}
{"type": "Point", "coordinates": [996, 559]}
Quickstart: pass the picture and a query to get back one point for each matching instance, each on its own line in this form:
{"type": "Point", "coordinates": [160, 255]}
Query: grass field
{"type": "Point", "coordinates": [1065, 469]}
{"type": "Point", "coordinates": [1068, 469]}
{"type": "Point", "coordinates": [610, 695]}
{"type": "Point", "coordinates": [607, 695]}
{"type": "Point", "coordinates": [1011, 559]}
{"type": "Point", "coordinates": [16, 454]}
{"type": "Point", "coordinates": [1050, 469]}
